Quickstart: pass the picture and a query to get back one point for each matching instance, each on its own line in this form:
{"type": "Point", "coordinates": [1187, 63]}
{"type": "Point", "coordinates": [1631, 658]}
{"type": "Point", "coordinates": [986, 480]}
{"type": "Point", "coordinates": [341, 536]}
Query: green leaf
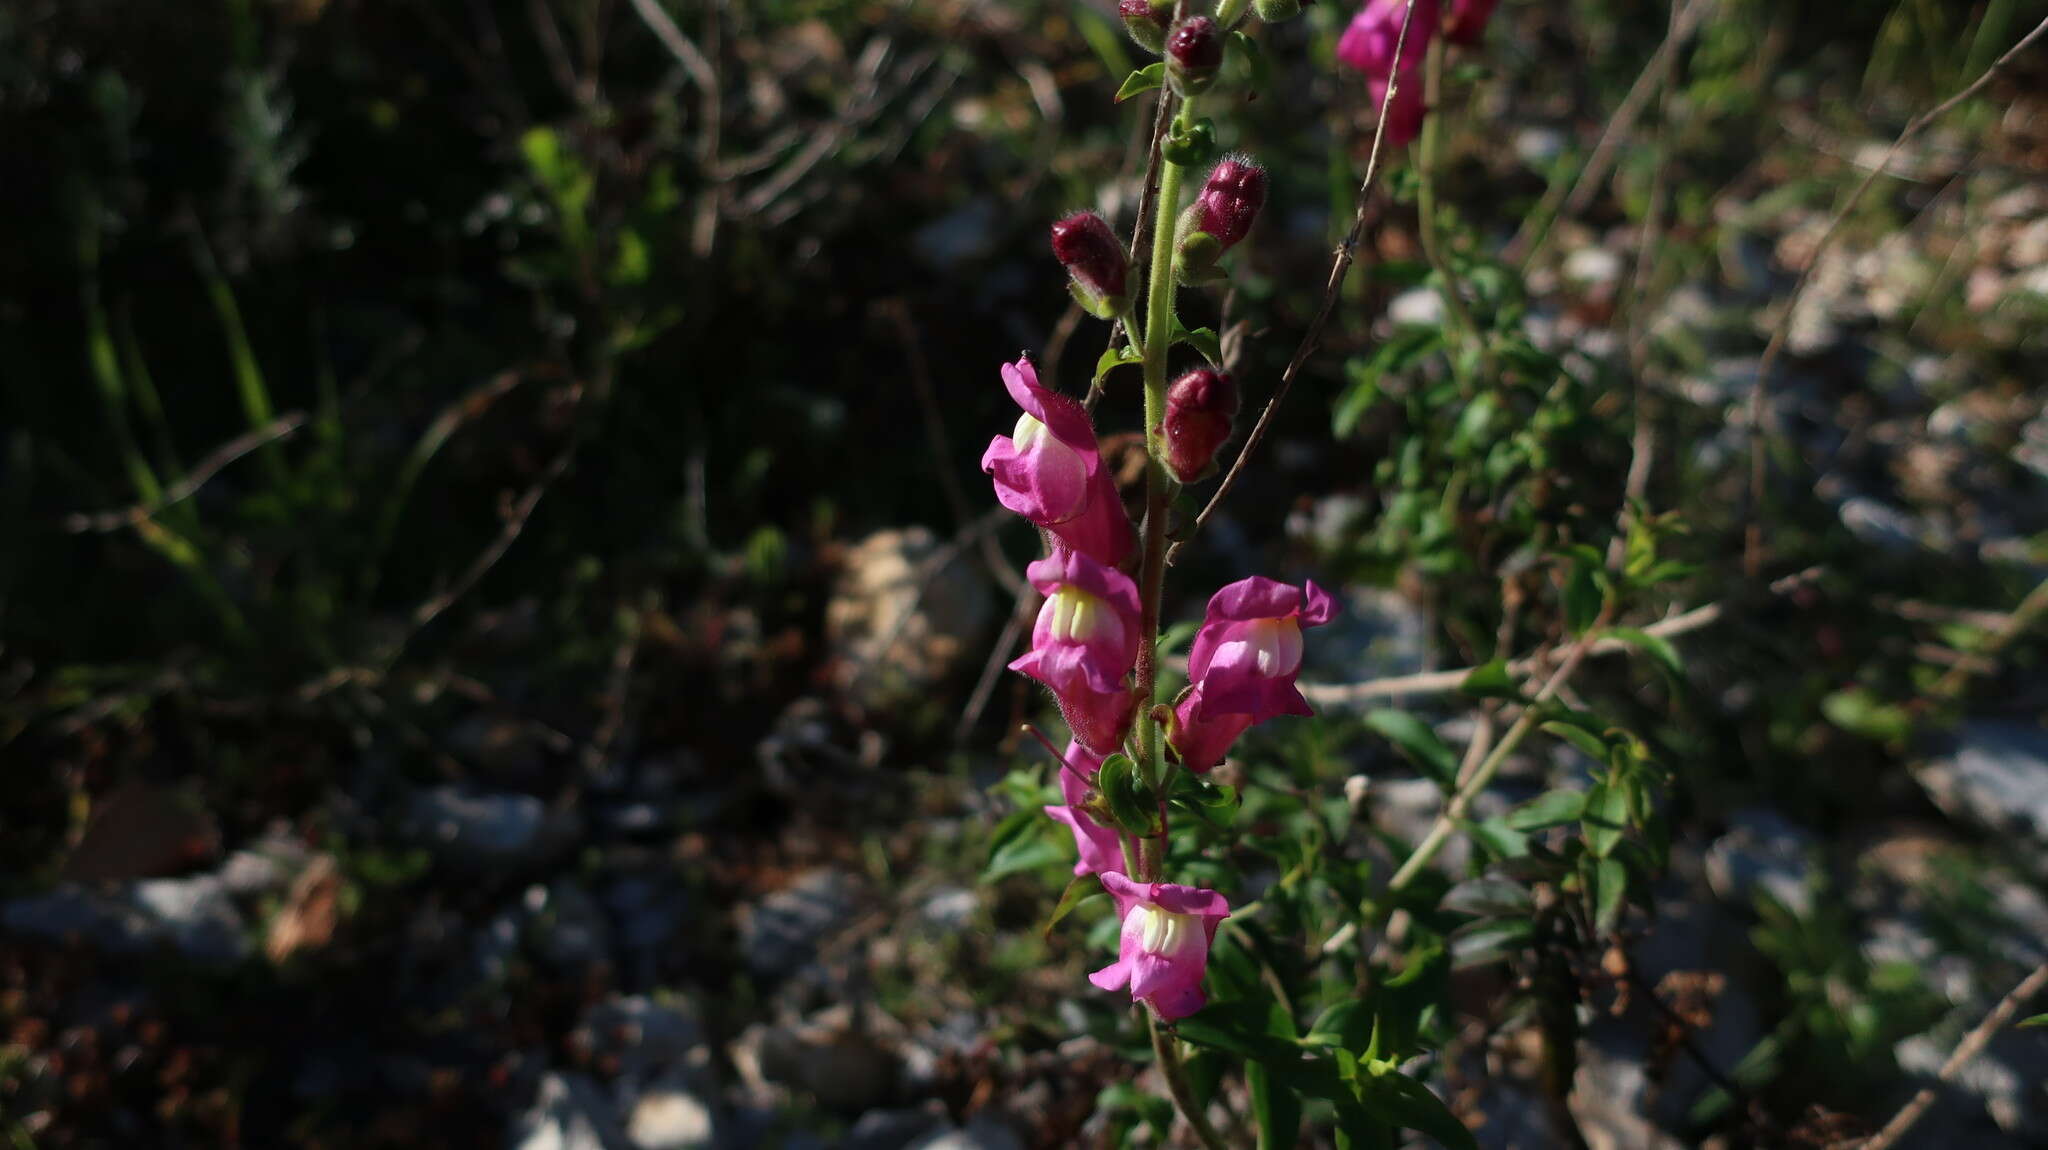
{"type": "Point", "coordinates": [1204, 340]}
{"type": "Point", "coordinates": [1578, 736]}
{"type": "Point", "coordinates": [1275, 1108]}
{"type": "Point", "coordinates": [1582, 597]}
{"type": "Point", "coordinates": [1420, 743]}
{"type": "Point", "coordinates": [1175, 637]}
{"type": "Point", "coordinates": [1239, 1028]}
{"type": "Point", "coordinates": [1606, 816]}
{"type": "Point", "coordinates": [1405, 1102]}
{"type": "Point", "coordinates": [1114, 358]}
{"type": "Point", "coordinates": [1491, 681]}
{"type": "Point", "coordinates": [1143, 80]}
{"type": "Point", "coordinates": [1550, 809]}
{"type": "Point", "coordinates": [1489, 898]}
{"type": "Point", "coordinates": [1022, 854]}
{"type": "Point", "coordinates": [1346, 1024]}
{"type": "Point", "coordinates": [1489, 940]}
{"type": "Point", "coordinates": [1191, 147]}
{"type": "Point", "coordinates": [1130, 804]}
{"type": "Point", "coordinates": [1860, 712]}
{"type": "Point", "coordinates": [2034, 1023]}
{"type": "Point", "coordinates": [1261, 71]}
{"type": "Point", "coordinates": [1655, 646]}
{"type": "Point", "coordinates": [1610, 883]}
{"type": "Point", "coordinates": [1080, 889]}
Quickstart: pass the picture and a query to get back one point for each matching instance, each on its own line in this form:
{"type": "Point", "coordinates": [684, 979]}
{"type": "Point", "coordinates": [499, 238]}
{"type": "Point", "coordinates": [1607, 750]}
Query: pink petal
{"type": "Point", "coordinates": [1112, 976]}
{"type": "Point", "coordinates": [1318, 606]}
{"type": "Point", "coordinates": [1151, 973]}
{"type": "Point", "coordinates": [1180, 1002]}
{"type": "Point", "coordinates": [1064, 417]}
{"type": "Point", "coordinates": [1178, 899]}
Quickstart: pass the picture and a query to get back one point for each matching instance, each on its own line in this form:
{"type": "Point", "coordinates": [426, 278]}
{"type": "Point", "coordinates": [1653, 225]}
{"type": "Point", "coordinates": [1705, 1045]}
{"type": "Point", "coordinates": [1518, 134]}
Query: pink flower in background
{"type": "Point", "coordinates": [1163, 949]}
{"type": "Point", "coordinates": [1101, 847]}
{"type": "Point", "coordinates": [1466, 22]}
{"type": "Point", "coordinates": [1244, 663]}
{"type": "Point", "coordinates": [1083, 644]}
{"type": "Point", "coordinates": [1404, 116]}
{"type": "Point", "coordinates": [1368, 42]}
{"type": "Point", "coordinates": [1049, 470]}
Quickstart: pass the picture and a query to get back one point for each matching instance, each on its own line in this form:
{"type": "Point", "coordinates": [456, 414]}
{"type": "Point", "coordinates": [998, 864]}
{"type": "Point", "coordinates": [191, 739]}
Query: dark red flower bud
{"type": "Point", "coordinates": [1093, 255]}
{"type": "Point", "coordinates": [1200, 408]}
{"type": "Point", "coordinates": [1193, 54]}
{"type": "Point", "coordinates": [1146, 21]}
{"type": "Point", "coordinates": [1231, 200]}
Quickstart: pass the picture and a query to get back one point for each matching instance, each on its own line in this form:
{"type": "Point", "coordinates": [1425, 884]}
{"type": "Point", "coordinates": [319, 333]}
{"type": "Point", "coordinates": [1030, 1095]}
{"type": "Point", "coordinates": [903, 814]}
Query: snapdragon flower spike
{"type": "Point", "coordinates": [1049, 471]}
{"type": "Point", "coordinates": [1084, 642]}
{"type": "Point", "coordinates": [1194, 51]}
{"type": "Point", "coordinates": [1095, 258]}
{"type": "Point", "coordinates": [1163, 948]}
{"type": "Point", "coordinates": [1466, 21]}
{"type": "Point", "coordinates": [1368, 42]}
{"type": "Point", "coordinates": [1101, 847]}
{"type": "Point", "coordinates": [1146, 21]}
{"type": "Point", "coordinates": [1200, 408]}
{"type": "Point", "coordinates": [1243, 665]}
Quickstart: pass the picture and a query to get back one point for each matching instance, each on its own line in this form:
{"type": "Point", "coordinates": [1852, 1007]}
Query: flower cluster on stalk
{"type": "Point", "coordinates": [1101, 578]}
{"type": "Point", "coordinates": [1373, 45]}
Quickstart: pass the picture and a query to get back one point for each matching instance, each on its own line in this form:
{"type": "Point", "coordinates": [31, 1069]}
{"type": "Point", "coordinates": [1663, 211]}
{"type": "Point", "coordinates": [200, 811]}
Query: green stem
{"type": "Point", "coordinates": [1177, 1085]}
{"type": "Point", "coordinates": [1425, 170]}
{"type": "Point", "coordinates": [1158, 484]}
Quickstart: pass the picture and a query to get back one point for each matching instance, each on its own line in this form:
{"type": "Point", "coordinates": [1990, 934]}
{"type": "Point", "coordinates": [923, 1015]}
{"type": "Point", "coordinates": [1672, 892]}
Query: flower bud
{"type": "Point", "coordinates": [1146, 21]}
{"type": "Point", "coordinates": [1231, 200]}
{"type": "Point", "coordinates": [1193, 54]}
{"type": "Point", "coordinates": [1200, 408]}
{"type": "Point", "coordinates": [1276, 11]}
{"type": "Point", "coordinates": [1095, 258]}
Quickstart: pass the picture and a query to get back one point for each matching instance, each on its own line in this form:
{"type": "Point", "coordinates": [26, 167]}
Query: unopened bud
{"type": "Point", "coordinates": [1146, 21]}
{"type": "Point", "coordinates": [1095, 258]}
{"type": "Point", "coordinates": [1201, 406]}
{"type": "Point", "coordinates": [1231, 199]}
{"type": "Point", "coordinates": [1193, 54]}
{"type": "Point", "coordinates": [1275, 11]}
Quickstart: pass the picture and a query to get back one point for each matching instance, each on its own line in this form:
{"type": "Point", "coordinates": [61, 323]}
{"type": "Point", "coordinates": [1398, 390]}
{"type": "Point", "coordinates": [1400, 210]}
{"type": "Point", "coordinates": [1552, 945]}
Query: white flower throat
{"type": "Point", "coordinates": [1274, 646]}
{"type": "Point", "coordinates": [1161, 931]}
{"type": "Point", "coordinates": [1073, 614]}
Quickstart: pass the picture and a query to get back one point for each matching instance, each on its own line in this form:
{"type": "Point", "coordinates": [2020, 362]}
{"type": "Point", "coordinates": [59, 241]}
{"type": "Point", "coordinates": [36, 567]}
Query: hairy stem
{"type": "Point", "coordinates": [1425, 171]}
{"type": "Point", "coordinates": [1177, 1085]}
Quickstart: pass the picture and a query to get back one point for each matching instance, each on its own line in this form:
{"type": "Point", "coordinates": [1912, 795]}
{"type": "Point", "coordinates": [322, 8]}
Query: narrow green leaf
{"type": "Point", "coordinates": [1582, 597]}
{"type": "Point", "coordinates": [1143, 80]}
{"type": "Point", "coordinates": [1550, 809]}
{"type": "Point", "coordinates": [1275, 1108]}
{"type": "Point", "coordinates": [2034, 1023]}
{"type": "Point", "coordinates": [1489, 940]}
{"type": "Point", "coordinates": [1080, 889]}
{"type": "Point", "coordinates": [1421, 743]}
{"type": "Point", "coordinates": [1491, 681]}
{"type": "Point", "coordinates": [1489, 897]}
{"type": "Point", "coordinates": [1130, 804]}
{"type": "Point", "coordinates": [1405, 1102]}
{"type": "Point", "coordinates": [1655, 646]}
{"type": "Point", "coordinates": [1605, 818]}
{"type": "Point", "coordinates": [1610, 882]}
{"type": "Point", "coordinates": [1585, 740]}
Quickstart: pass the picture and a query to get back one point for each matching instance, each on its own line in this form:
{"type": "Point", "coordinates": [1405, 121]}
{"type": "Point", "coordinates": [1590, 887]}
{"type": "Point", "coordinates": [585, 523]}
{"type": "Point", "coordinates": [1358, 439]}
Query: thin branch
{"type": "Point", "coordinates": [1470, 789]}
{"type": "Point", "coordinates": [1970, 1047]}
{"type": "Point", "coordinates": [280, 428]}
{"type": "Point", "coordinates": [1558, 201]}
{"type": "Point", "coordinates": [1753, 539]}
{"type": "Point", "coordinates": [1340, 264]}
{"type": "Point", "coordinates": [1983, 657]}
{"type": "Point", "coordinates": [680, 46]}
{"type": "Point", "coordinates": [1431, 682]}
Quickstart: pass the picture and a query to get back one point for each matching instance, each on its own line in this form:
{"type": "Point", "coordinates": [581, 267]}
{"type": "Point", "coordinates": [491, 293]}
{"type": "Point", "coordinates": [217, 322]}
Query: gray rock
{"type": "Point", "coordinates": [1762, 851]}
{"type": "Point", "coordinates": [983, 1132]}
{"type": "Point", "coordinates": [670, 1120]}
{"type": "Point", "coordinates": [895, 1129]}
{"type": "Point", "coordinates": [1417, 307]}
{"type": "Point", "coordinates": [781, 933]}
{"type": "Point", "coordinates": [569, 1112]}
{"type": "Point", "coordinates": [1995, 775]}
{"type": "Point", "coordinates": [194, 916]}
{"type": "Point", "coordinates": [570, 928]}
{"type": "Point", "coordinates": [647, 914]}
{"type": "Point", "coordinates": [950, 908]}
{"type": "Point", "coordinates": [896, 625]}
{"type": "Point", "coordinates": [833, 1056]}
{"type": "Point", "coordinates": [476, 829]}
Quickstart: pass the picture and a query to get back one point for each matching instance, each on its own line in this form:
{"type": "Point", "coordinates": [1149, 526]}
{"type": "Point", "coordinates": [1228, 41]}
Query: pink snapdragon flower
{"type": "Point", "coordinates": [1084, 642]}
{"type": "Point", "coordinates": [1049, 470]}
{"type": "Point", "coordinates": [1243, 665]}
{"type": "Point", "coordinates": [1163, 949]}
{"type": "Point", "coordinates": [1101, 847]}
{"type": "Point", "coordinates": [1404, 115]}
{"type": "Point", "coordinates": [1466, 22]}
{"type": "Point", "coordinates": [1368, 42]}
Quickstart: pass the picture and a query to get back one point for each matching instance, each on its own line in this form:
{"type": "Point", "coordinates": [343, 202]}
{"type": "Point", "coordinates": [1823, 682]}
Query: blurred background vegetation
{"type": "Point", "coordinates": [494, 619]}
